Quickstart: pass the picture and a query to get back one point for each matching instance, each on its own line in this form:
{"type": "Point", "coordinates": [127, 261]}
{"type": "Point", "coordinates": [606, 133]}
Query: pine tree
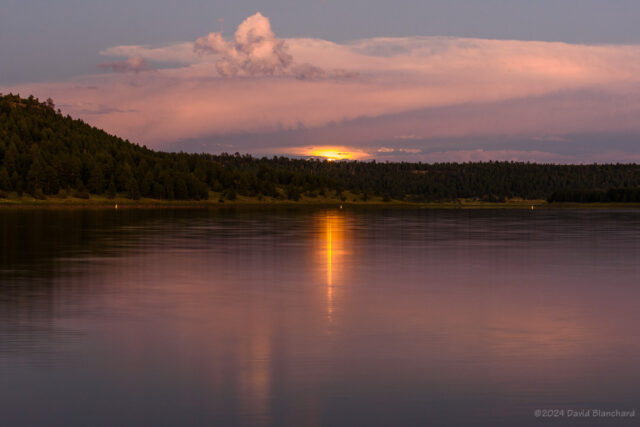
{"type": "Point", "coordinates": [123, 180]}
{"type": "Point", "coordinates": [35, 176]}
{"type": "Point", "coordinates": [133, 191]}
{"type": "Point", "coordinates": [111, 189]}
{"type": "Point", "coordinates": [9, 160]}
{"type": "Point", "coordinates": [96, 179]}
{"type": "Point", "coordinates": [17, 184]}
{"type": "Point", "coordinates": [51, 183]}
{"type": "Point", "coordinates": [180, 189]}
{"type": "Point", "coordinates": [5, 181]}
{"type": "Point", "coordinates": [168, 186]}
{"type": "Point", "coordinates": [157, 191]}
{"type": "Point", "coordinates": [147, 185]}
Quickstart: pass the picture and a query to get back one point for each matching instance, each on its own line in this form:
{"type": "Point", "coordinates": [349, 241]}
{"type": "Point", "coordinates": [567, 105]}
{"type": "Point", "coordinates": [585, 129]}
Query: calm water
{"type": "Point", "coordinates": [317, 317]}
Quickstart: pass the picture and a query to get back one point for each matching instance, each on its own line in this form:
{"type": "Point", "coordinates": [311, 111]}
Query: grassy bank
{"type": "Point", "coordinates": [215, 199]}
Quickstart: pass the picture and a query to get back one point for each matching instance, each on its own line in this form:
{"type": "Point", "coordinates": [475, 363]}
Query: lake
{"type": "Point", "coordinates": [318, 317]}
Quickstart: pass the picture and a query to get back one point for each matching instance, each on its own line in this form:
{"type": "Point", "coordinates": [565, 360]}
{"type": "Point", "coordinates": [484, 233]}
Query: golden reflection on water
{"type": "Point", "coordinates": [332, 251]}
{"type": "Point", "coordinates": [254, 374]}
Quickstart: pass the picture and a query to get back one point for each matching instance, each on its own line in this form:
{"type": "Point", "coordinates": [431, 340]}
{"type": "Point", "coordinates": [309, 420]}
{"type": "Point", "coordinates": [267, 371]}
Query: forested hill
{"type": "Point", "coordinates": [43, 153]}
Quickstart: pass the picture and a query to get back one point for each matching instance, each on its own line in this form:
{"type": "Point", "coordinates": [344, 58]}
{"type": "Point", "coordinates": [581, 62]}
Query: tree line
{"type": "Point", "coordinates": [612, 195]}
{"type": "Point", "coordinates": [44, 153]}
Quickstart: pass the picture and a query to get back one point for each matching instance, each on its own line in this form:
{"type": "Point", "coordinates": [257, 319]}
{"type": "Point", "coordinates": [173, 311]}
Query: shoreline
{"type": "Point", "coordinates": [124, 203]}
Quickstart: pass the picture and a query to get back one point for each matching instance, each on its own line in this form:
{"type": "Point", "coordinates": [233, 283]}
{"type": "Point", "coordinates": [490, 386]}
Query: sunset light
{"type": "Point", "coordinates": [320, 213]}
{"type": "Point", "coordinates": [334, 153]}
{"type": "Point", "coordinates": [332, 249]}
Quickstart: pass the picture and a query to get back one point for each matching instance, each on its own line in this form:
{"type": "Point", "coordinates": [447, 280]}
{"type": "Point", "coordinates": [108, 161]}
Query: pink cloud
{"type": "Point", "coordinates": [417, 88]}
{"type": "Point", "coordinates": [179, 53]}
{"type": "Point", "coordinates": [133, 64]}
{"type": "Point", "coordinates": [398, 150]}
{"type": "Point", "coordinates": [255, 50]}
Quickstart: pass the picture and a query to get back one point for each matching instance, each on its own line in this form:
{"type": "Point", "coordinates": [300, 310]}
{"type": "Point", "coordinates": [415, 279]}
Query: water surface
{"type": "Point", "coordinates": [310, 317]}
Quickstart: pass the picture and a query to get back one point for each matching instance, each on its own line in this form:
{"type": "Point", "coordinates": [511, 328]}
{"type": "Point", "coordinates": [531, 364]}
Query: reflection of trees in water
{"type": "Point", "coordinates": [35, 242]}
{"type": "Point", "coordinates": [37, 246]}
{"type": "Point", "coordinates": [43, 266]}
{"type": "Point", "coordinates": [53, 261]}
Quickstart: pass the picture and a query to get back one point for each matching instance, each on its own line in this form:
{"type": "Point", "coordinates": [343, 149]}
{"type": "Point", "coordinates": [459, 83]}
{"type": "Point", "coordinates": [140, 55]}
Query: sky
{"type": "Point", "coordinates": [430, 80]}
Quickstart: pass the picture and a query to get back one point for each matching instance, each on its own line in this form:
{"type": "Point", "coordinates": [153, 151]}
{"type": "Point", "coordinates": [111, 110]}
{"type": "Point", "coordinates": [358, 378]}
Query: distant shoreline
{"type": "Point", "coordinates": [47, 159]}
{"type": "Point", "coordinates": [121, 202]}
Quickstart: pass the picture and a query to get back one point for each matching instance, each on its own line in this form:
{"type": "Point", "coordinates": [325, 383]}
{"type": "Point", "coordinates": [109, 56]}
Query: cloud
{"type": "Point", "coordinates": [308, 71]}
{"type": "Point", "coordinates": [481, 155]}
{"type": "Point", "coordinates": [179, 53]}
{"type": "Point", "coordinates": [399, 150]}
{"type": "Point", "coordinates": [255, 50]}
{"type": "Point", "coordinates": [328, 152]}
{"type": "Point", "coordinates": [550, 138]}
{"type": "Point", "coordinates": [409, 137]}
{"type": "Point", "coordinates": [134, 64]}
{"type": "Point", "coordinates": [419, 92]}
{"type": "Point", "coordinates": [459, 156]}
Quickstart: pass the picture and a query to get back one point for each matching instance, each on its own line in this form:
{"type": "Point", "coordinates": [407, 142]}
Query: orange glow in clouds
{"type": "Point", "coordinates": [332, 153]}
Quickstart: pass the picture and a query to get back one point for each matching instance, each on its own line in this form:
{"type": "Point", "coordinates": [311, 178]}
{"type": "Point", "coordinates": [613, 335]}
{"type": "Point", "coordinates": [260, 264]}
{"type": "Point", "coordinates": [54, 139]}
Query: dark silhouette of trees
{"type": "Point", "coordinates": [5, 181]}
{"type": "Point", "coordinates": [43, 152]}
{"type": "Point", "coordinates": [613, 195]}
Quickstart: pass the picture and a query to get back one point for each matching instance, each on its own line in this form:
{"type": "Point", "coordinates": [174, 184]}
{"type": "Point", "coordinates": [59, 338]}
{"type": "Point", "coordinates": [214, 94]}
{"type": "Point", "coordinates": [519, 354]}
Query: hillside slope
{"type": "Point", "coordinates": [43, 153]}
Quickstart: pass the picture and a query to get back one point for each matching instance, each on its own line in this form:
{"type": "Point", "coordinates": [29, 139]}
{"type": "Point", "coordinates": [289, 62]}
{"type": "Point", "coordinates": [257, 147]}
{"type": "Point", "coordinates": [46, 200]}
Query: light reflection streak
{"type": "Point", "coordinates": [254, 376]}
{"type": "Point", "coordinates": [330, 270]}
{"type": "Point", "coordinates": [331, 261]}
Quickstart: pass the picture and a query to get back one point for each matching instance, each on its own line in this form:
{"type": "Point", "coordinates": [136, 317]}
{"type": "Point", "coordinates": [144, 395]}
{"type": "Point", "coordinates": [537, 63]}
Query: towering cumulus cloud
{"type": "Point", "coordinates": [255, 50]}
